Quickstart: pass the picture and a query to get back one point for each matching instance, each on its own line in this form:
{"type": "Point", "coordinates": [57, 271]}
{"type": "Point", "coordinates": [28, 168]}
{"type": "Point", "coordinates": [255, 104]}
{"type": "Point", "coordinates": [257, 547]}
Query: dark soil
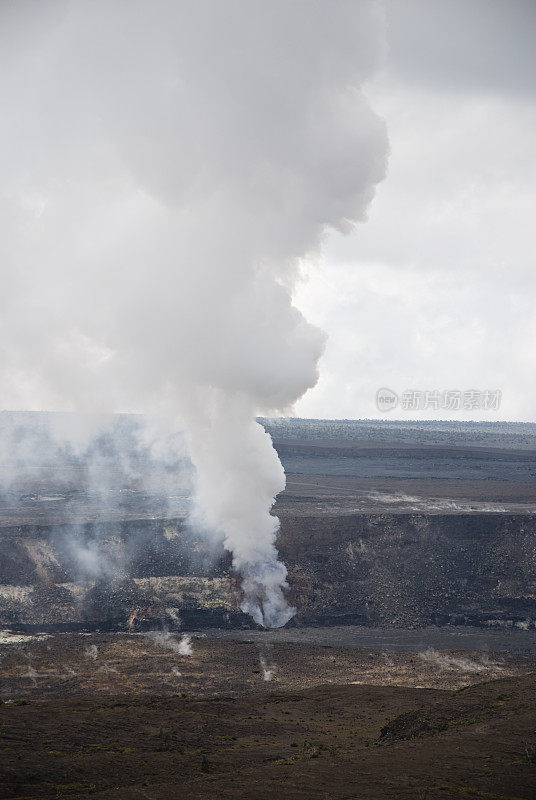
{"type": "Point", "coordinates": [327, 742]}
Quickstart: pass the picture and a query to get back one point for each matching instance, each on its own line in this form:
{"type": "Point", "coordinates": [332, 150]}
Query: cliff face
{"type": "Point", "coordinates": [404, 569]}
{"type": "Point", "coordinates": [372, 569]}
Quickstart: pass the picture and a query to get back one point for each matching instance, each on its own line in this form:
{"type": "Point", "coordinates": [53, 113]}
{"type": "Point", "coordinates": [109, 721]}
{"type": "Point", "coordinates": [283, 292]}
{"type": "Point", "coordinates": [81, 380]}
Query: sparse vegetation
{"type": "Point", "coordinates": [247, 744]}
{"type": "Point", "coordinates": [529, 754]}
{"type": "Point", "coordinates": [205, 765]}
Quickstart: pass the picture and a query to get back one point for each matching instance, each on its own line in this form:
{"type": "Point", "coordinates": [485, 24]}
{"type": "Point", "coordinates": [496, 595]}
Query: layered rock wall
{"type": "Point", "coordinates": [372, 569]}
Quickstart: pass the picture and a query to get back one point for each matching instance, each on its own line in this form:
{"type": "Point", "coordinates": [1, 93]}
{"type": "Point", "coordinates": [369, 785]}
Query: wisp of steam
{"type": "Point", "coordinates": [166, 165]}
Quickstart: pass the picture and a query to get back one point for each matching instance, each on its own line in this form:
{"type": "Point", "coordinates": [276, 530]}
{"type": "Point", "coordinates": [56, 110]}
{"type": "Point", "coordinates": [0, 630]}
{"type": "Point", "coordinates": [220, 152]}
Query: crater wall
{"type": "Point", "coordinates": [399, 570]}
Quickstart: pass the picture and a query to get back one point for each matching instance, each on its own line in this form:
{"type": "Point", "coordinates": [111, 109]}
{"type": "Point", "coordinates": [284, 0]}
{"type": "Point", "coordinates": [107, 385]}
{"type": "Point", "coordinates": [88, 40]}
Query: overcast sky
{"type": "Point", "coordinates": [437, 290]}
{"type": "Point", "coordinates": [208, 146]}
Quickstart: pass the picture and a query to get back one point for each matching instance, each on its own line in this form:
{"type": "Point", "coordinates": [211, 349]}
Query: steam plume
{"type": "Point", "coordinates": [166, 640]}
{"type": "Point", "coordinates": [165, 166]}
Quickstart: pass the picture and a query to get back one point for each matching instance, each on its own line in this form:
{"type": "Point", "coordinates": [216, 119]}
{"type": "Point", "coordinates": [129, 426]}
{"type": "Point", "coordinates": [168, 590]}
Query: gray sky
{"type": "Point", "coordinates": [437, 289]}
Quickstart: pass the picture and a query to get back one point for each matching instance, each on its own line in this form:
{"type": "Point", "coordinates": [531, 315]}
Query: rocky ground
{"type": "Point", "coordinates": [78, 665]}
{"type": "Point", "coordinates": [161, 715]}
{"type": "Point", "coordinates": [80, 724]}
{"type": "Point", "coordinates": [378, 529]}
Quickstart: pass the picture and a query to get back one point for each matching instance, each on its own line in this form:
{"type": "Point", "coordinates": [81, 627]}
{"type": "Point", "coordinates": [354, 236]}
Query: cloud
{"type": "Point", "coordinates": [435, 291]}
{"type": "Point", "coordinates": [165, 166]}
{"type": "Point", "coordinates": [451, 46]}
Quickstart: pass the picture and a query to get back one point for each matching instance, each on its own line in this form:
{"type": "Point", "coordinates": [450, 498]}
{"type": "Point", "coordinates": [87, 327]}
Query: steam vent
{"type": "Point", "coordinates": [382, 525]}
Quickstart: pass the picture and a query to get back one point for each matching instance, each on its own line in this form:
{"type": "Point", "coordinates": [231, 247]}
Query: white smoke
{"type": "Point", "coordinates": [90, 560]}
{"type": "Point", "coordinates": [267, 663]}
{"type": "Point", "coordinates": [91, 652]}
{"type": "Point", "coordinates": [453, 663]}
{"type": "Point", "coordinates": [165, 166]}
{"type": "Point", "coordinates": [185, 645]}
{"type": "Point", "coordinates": [167, 641]}
{"type": "Point", "coordinates": [31, 673]}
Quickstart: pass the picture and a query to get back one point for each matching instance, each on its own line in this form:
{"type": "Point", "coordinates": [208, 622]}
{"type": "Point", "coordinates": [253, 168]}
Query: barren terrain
{"type": "Point", "coordinates": [129, 716]}
{"type": "Point", "coordinates": [408, 671]}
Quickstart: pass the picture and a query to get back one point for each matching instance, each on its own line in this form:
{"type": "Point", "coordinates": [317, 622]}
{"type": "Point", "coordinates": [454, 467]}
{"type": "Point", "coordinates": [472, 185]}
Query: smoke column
{"type": "Point", "coordinates": [165, 166]}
